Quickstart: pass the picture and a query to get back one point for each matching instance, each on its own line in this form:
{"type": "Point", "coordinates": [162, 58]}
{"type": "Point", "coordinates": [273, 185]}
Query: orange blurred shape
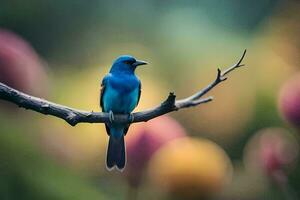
{"type": "Point", "coordinates": [271, 150]}
{"type": "Point", "coordinates": [190, 168]}
{"type": "Point", "coordinates": [144, 140]}
{"type": "Point", "coordinates": [289, 100]}
{"type": "Point", "coordinates": [20, 65]}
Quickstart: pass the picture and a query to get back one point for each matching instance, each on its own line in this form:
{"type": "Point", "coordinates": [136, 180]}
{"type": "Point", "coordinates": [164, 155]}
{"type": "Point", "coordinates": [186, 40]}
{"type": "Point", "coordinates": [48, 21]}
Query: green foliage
{"type": "Point", "coordinates": [27, 173]}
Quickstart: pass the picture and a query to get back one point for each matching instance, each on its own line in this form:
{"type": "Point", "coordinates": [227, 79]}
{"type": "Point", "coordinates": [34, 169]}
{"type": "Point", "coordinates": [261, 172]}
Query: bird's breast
{"type": "Point", "coordinates": [120, 99]}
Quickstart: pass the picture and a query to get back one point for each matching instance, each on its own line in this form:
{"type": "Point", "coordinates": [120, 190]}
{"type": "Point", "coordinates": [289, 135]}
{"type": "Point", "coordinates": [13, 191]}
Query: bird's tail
{"type": "Point", "coordinates": [116, 153]}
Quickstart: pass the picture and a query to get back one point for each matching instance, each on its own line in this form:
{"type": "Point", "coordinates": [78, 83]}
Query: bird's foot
{"type": "Point", "coordinates": [111, 117]}
{"type": "Point", "coordinates": [131, 117]}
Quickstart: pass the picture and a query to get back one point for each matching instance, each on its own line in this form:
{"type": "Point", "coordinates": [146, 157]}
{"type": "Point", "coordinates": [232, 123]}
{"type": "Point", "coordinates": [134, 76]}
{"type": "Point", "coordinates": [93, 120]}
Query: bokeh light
{"type": "Point", "coordinates": [144, 140]}
{"type": "Point", "coordinates": [190, 168]}
{"type": "Point", "coordinates": [20, 66]}
{"type": "Point", "coordinates": [271, 150]}
{"type": "Point", "coordinates": [288, 100]}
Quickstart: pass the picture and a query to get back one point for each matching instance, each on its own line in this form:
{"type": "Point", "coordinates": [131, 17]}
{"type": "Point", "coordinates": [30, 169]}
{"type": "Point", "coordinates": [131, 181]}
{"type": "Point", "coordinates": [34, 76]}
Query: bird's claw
{"type": "Point", "coordinates": [131, 117]}
{"type": "Point", "coordinates": [111, 117]}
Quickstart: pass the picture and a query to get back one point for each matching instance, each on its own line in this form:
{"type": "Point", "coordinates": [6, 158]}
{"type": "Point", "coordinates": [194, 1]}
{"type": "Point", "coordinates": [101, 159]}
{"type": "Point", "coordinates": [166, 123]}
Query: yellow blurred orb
{"type": "Point", "coordinates": [144, 139]}
{"type": "Point", "coordinates": [190, 168]}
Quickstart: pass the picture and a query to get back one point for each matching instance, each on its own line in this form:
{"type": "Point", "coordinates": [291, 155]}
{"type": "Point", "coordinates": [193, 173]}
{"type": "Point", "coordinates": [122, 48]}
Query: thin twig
{"type": "Point", "coordinates": [74, 116]}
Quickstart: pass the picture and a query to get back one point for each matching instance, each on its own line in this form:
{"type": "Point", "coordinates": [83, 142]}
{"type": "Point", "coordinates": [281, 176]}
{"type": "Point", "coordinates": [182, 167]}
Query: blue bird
{"type": "Point", "coordinates": [120, 94]}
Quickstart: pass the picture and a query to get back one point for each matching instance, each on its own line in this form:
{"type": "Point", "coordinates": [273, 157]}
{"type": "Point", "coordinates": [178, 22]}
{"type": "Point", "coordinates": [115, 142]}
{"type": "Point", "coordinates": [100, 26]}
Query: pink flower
{"type": "Point", "coordinates": [144, 140]}
{"type": "Point", "coordinates": [20, 65]}
{"type": "Point", "coordinates": [272, 150]}
{"type": "Point", "coordinates": [289, 100]}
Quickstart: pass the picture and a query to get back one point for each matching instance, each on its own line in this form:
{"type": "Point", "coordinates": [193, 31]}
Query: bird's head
{"type": "Point", "coordinates": [126, 63]}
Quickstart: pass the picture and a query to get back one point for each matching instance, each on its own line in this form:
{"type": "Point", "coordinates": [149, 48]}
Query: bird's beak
{"type": "Point", "coordinates": [139, 62]}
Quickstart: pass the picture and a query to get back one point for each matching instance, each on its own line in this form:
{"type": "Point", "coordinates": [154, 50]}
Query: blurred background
{"type": "Point", "coordinates": [243, 145]}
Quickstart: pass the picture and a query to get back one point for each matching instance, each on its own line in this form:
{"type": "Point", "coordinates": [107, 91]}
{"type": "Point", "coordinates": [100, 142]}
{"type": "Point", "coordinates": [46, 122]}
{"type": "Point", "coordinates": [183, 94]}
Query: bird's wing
{"type": "Point", "coordinates": [140, 91]}
{"type": "Point", "coordinates": [101, 95]}
{"type": "Point", "coordinates": [103, 86]}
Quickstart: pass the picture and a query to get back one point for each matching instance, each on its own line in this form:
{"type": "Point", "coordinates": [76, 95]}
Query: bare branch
{"type": "Point", "coordinates": [220, 77]}
{"type": "Point", "coordinates": [238, 64]}
{"type": "Point", "coordinates": [74, 116]}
